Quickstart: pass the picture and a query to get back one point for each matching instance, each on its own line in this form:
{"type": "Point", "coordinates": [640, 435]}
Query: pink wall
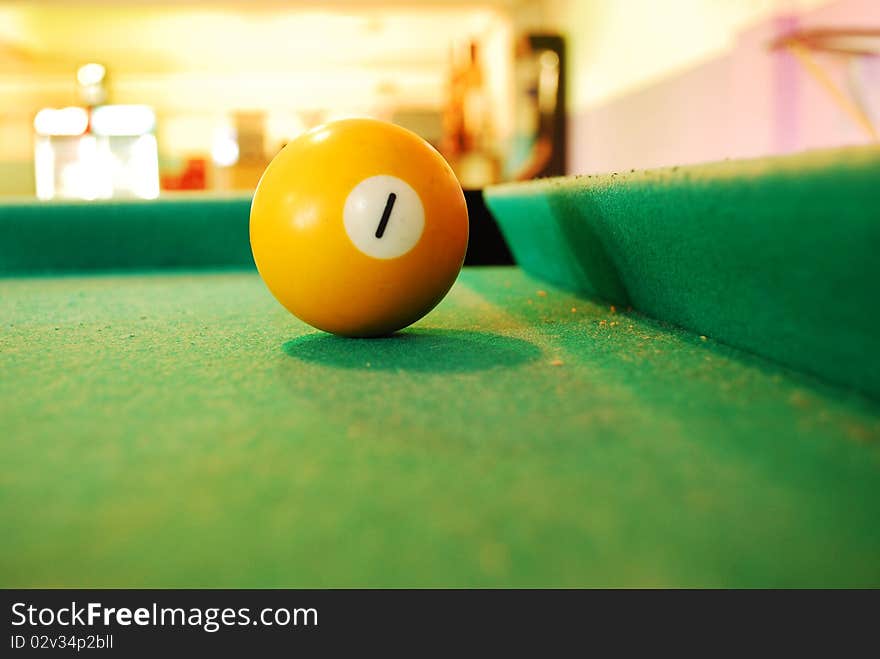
{"type": "Point", "coordinates": [748, 102]}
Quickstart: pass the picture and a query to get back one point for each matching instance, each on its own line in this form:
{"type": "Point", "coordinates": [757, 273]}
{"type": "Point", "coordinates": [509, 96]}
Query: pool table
{"type": "Point", "coordinates": [168, 424]}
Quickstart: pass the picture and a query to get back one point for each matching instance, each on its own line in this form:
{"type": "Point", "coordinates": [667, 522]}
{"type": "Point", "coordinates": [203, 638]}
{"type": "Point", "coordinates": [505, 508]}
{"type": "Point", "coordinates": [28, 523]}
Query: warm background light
{"type": "Point", "coordinates": [90, 74]}
{"type": "Point", "coordinates": [197, 63]}
{"type": "Point", "coordinates": [648, 83]}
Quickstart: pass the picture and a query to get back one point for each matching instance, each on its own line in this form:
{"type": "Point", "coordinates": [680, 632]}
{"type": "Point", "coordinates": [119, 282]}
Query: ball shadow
{"type": "Point", "coordinates": [417, 350]}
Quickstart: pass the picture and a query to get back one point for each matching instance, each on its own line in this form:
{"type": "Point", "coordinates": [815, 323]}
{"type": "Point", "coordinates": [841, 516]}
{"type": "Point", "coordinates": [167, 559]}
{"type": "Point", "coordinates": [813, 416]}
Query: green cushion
{"type": "Point", "coordinates": [186, 231]}
{"type": "Point", "coordinates": [778, 256]}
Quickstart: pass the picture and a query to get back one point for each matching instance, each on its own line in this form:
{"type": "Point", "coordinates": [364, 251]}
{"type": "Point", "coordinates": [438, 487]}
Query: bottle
{"type": "Point", "coordinates": [468, 125]}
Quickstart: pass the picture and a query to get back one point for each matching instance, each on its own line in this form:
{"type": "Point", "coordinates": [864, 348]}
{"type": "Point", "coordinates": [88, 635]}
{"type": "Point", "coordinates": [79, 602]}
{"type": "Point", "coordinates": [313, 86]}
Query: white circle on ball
{"type": "Point", "coordinates": [384, 217]}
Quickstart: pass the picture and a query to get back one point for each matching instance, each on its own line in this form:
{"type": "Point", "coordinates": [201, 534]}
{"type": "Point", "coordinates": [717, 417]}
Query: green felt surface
{"type": "Point", "coordinates": [184, 430]}
{"type": "Point", "coordinates": [777, 256]}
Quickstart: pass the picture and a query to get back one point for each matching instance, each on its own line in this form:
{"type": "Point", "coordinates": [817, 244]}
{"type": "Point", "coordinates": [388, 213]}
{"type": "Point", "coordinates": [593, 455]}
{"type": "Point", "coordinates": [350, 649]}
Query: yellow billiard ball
{"type": "Point", "coordinates": [359, 227]}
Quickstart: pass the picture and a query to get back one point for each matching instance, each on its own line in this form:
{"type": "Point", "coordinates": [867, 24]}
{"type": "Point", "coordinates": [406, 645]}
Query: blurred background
{"type": "Point", "coordinates": [137, 98]}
